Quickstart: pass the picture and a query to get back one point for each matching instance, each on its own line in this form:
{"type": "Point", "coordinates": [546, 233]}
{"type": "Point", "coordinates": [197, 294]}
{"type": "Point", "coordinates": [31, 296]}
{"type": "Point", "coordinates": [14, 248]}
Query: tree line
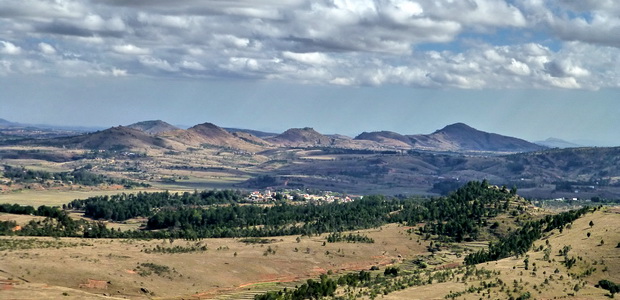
{"type": "Point", "coordinates": [124, 206]}
{"type": "Point", "coordinates": [202, 215]}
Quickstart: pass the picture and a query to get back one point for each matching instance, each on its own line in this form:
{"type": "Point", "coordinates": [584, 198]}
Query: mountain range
{"type": "Point", "coordinates": [372, 161]}
{"type": "Point", "coordinates": [157, 134]}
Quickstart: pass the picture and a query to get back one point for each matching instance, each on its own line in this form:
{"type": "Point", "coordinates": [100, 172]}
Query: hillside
{"type": "Point", "coordinates": [115, 138]}
{"type": "Point", "coordinates": [212, 135]}
{"type": "Point", "coordinates": [153, 127]}
{"type": "Point", "coordinates": [386, 138]}
{"type": "Point", "coordinates": [566, 263]}
{"type": "Point", "coordinates": [461, 137]}
{"type": "Point", "coordinates": [301, 137]}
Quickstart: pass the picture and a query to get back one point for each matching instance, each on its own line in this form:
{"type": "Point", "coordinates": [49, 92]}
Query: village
{"type": "Point", "coordinates": [319, 197]}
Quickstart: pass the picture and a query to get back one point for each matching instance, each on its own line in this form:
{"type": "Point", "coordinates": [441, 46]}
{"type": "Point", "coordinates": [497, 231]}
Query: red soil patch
{"type": "Point", "coordinates": [6, 284]}
{"type": "Point", "coordinates": [95, 284]}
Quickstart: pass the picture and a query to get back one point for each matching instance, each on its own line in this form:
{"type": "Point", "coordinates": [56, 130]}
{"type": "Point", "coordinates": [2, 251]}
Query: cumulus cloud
{"type": "Point", "coordinates": [9, 48]}
{"type": "Point", "coordinates": [47, 48]}
{"type": "Point", "coordinates": [130, 49]}
{"type": "Point", "coordinates": [572, 44]}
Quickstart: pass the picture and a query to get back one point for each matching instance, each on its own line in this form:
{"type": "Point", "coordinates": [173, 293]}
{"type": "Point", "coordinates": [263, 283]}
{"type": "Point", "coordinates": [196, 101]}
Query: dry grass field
{"type": "Point", "coordinates": [229, 267]}
{"type": "Point", "coordinates": [58, 197]}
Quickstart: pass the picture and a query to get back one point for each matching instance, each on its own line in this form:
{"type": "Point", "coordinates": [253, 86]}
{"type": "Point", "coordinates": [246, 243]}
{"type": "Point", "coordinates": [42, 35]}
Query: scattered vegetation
{"type": "Point", "coordinates": [349, 238]}
{"type": "Point", "coordinates": [23, 244]}
{"type": "Point", "coordinates": [80, 176]}
{"type": "Point", "coordinates": [146, 269]}
{"type": "Point", "coordinates": [520, 241]}
{"type": "Point", "coordinates": [198, 247]}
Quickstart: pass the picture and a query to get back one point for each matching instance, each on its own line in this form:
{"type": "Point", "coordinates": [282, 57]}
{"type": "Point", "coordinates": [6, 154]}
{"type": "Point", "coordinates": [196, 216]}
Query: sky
{"type": "Point", "coordinates": [527, 68]}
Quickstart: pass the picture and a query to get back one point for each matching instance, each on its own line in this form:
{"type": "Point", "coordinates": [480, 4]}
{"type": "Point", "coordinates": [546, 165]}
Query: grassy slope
{"type": "Point", "coordinates": [593, 255]}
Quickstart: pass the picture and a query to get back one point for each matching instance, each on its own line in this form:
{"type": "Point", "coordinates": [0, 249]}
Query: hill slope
{"type": "Point", "coordinates": [115, 138]}
{"type": "Point", "coordinates": [301, 137]}
{"type": "Point", "coordinates": [211, 134]}
{"type": "Point", "coordinates": [153, 127]}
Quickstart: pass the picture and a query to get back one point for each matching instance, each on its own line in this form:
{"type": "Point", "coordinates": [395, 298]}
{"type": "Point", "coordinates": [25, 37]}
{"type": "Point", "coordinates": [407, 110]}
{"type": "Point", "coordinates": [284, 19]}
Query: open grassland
{"type": "Point", "coordinates": [58, 198]}
{"type": "Point", "coordinates": [229, 266]}
{"type": "Point", "coordinates": [19, 219]}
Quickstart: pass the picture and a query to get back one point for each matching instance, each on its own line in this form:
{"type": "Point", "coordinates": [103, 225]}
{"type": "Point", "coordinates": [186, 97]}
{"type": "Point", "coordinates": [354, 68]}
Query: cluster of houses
{"type": "Point", "coordinates": [269, 196]}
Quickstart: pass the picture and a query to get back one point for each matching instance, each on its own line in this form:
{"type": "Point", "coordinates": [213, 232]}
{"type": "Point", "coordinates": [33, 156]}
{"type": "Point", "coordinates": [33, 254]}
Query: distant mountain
{"type": "Point", "coordinates": [457, 137]}
{"type": "Point", "coordinates": [460, 137]}
{"type": "Point", "coordinates": [256, 133]}
{"type": "Point", "coordinates": [386, 138]}
{"type": "Point", "coordinates": [115, 138]}
{"type": "Point", "coordinates": [301, 137]}
{"type": "Point", "coordinates": [211, 134]}
{"type": "Point", "coordinates": [557, 143]}
{"type": "Point", "coordinates": [153, 127]}
{"type": "Point", "coordinates": [5, 123]}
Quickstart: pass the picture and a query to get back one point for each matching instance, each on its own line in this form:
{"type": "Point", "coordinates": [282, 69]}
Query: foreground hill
{"type": "Point", "coordinates": [153, 127]}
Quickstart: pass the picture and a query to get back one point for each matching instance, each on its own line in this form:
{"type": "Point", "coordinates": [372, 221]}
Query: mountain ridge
{"type": "Point", "coordinates": [457, 137]}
